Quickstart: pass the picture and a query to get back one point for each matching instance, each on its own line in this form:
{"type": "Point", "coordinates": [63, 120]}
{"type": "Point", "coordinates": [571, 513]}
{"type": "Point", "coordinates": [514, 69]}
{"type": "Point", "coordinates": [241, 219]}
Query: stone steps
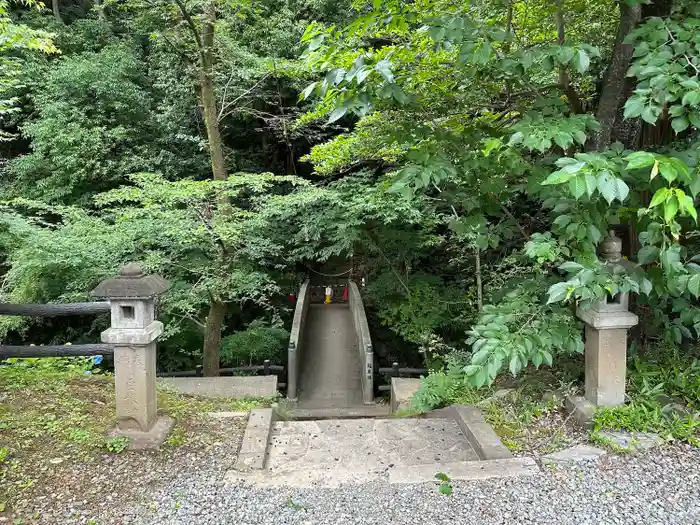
{"type": "Point", "coordinates": [328, 451]}
{"type": "Point", "coordinates": [367, 411]}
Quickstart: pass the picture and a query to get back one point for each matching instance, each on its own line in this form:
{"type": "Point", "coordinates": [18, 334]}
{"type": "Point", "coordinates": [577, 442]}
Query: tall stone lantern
{"type": "Point", "coordinates": [607, 322]}
{"type": "Point", "coordinates": [133, 332]}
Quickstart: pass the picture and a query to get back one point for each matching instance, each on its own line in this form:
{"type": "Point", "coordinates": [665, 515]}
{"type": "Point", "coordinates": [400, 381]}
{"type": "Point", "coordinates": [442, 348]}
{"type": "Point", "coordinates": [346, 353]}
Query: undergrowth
{"type": "Point", "coordinates": [664, 395]}
{"type": "Point", "coordinates": [524, 418]}
{"type": "Point", "coordinates": [55, 412]}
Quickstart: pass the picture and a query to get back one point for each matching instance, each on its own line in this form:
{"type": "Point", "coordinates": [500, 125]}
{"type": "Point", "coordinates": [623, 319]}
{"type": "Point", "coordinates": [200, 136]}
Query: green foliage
{"type": "Point", "coordinates": [16, 40]}
{"type": "Point", "coordinates": [96, 124]}
{"type": "Point", "coordinates": [444, 485]}
{"type": "Point", "coordinates": [417, 308]}
{"type": "Point", "coordinates": [519, 330]}
{"type": "Point", "coordinates": [253, 345]}
{"type": "Point", "coordinates": [664, 393]}
{"type": "Point", "coordinates": [166, 225]}
{"type": "Point", "coordinates": [438, 388]}
{"type": "Point", "coordinates": [117, 445]}
{"type": "Point", "coordinates": [666, 67]}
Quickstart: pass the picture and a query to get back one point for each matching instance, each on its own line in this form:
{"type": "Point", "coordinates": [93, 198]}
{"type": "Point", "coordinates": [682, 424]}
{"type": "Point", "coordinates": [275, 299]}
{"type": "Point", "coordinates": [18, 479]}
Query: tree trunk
{"type": "Point", "coordinates": [612, 94]}
{"type": "Point", "coordinates": [100, 9]}
{"type": "Point", "coordinates": [205, 45]}
{"type": "Point", "coordinates": [212, 338]}
{"type": "Point", "coordinates": [572, 97]}
{"type": "Point", "coordinates": [206, 86]}
{"type": "Point", "coordinates": [56, 11]}
{"type": "Point", "coordinates": [479, 285]}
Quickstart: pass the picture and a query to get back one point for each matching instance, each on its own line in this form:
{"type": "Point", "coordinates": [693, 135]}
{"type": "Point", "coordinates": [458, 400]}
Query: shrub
{"type": "Point", "coordinates": [254, 345]}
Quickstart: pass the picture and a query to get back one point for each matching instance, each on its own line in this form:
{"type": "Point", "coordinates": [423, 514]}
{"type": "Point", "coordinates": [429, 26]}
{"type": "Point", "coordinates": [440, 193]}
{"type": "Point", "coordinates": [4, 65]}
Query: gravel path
{"type": "Point", "coordinates": [661, 487]}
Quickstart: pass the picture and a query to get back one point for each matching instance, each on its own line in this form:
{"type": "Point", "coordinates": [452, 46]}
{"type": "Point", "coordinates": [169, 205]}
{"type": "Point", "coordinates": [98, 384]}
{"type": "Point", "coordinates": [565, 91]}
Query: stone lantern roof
{"type": "Point", "coordinates": [131, 283]}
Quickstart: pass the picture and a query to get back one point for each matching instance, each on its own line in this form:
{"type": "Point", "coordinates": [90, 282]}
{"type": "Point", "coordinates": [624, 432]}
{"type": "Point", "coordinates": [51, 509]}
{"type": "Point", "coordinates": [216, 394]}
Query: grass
{"type": "Point", "coordinates": [53, 412]}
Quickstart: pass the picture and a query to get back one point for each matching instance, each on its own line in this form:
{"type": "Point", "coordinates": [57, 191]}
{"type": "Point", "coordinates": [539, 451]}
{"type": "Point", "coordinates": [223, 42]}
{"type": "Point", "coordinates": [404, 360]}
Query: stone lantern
{"type": "Point", "coordinates": [133, 332]}
{"type": "Point", "coordinates": [607, 322]}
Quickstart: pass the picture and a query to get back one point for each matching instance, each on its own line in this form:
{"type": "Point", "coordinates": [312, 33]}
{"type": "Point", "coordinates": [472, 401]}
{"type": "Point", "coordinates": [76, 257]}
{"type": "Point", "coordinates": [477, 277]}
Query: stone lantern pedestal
{"type": "Point", "coordinates": [607, 322]}
{"type": "Point", "coordinates": [134, 332]}
{"type": "Point", "coordinates": [606, 351]}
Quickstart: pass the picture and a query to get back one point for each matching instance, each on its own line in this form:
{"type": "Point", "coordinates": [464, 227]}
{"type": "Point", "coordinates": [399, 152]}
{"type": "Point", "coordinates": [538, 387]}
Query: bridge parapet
{"type": "Point", "coordinates": [295, 348]}
{"type": "Point", "coordinates": [364, 340]}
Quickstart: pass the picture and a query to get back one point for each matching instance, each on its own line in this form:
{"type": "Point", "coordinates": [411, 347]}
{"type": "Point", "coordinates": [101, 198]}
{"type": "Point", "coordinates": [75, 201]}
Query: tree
{"type": "Point", "coordinates": [56, 11]}
{"type": "Point", "coordinates": [95, 123]}
{"type": "Point", "coordinates": [168, 226]}
{"type": "Point", "coordinates": [487, 120]}
{"type": "Point", "coordinates": [16, 39]}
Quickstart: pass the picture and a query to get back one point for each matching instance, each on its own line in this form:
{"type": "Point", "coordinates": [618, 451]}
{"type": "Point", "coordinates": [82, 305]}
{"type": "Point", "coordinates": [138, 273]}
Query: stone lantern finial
{"type": "Point", "coordinates": [611, 248]}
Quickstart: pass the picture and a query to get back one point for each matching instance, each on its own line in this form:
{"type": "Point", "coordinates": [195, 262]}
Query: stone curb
{"type": "Point", "coordinates": [255, 440]}
{"type": "Point", "coordinates": [464, 471]}
{"type": "Point", "coordinates": [226, 415]}
{"type": "Point", "coordinates": [479, 433]}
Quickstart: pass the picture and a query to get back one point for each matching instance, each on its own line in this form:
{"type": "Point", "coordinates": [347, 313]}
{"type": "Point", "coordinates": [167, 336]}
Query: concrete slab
{"type": "Point", "coordinates": [300, 414]}
{"type": "Point", "coordinates": [236, 386]}
{"type": "Point", "coordinates": [459, 471]}
{"type": "Point", "coordinates": [227, 415]}
{"type": "Point", "coordinates": [255, 441]}
{"type": "Point", "coordinates": [331, 374]}
{"type": "Point", "coordinates": [402, 390]}
{"type": "Point", "coordinates": [582, 410]}
{"type": "Point", "coordinates": [574, 454]}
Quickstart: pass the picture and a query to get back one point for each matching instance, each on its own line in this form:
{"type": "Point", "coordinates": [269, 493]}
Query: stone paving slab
{"type": "Point", "coordinates": [576, 453]}
{"type": "Point", "coordinates": [236, 386]}
{"type": "Point", "coordinates": [630, 441]}
{"type": "Point", "coordinates": [465, 471]}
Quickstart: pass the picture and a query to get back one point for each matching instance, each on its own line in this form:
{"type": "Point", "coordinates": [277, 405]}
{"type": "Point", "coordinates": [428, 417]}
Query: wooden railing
{"type": "Point", "coordinates": [54, 310]}
{"type": "Point", "coordinates": [396, 371]}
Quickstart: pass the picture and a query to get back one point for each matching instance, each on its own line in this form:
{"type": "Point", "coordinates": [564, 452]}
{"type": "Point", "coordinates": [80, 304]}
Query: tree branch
{"type": "Point", "coordinates": [571, 95]}
{"type": "Point", "coordinates": [225, 106]}
{"type": "Point", "coordinates": [190, 22]}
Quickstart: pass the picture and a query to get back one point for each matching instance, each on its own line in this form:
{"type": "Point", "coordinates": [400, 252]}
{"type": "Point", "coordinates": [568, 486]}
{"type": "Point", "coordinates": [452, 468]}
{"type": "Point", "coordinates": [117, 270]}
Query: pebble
{"type": "Point", "coordinates": [657, 487]}
{"type": "Point", "coordinates": [660, 488]}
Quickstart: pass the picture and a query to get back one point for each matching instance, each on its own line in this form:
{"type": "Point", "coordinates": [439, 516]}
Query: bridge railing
{"type": "Point", "coordinates": [359, 320]}
{"type": "Point", "coordinates": [295, 348]}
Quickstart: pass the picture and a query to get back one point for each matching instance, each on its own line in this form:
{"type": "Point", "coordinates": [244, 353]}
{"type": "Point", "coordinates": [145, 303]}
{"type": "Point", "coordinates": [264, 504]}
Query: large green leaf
{"type": "Point", "coordinates": [577, 186]}
{"type": "Point", "coordinates": [659, 197]}
{"type": "Point", "coordinates": [607, 186]}
{"type": "Point", "coordinates": [670, 209]}
{"type": "Point", "coordinates": [694, 285]}
{"type": "Point", "coordinates": [647, 254]}
{"type": "Point", "coordinates": [639, 159]}
{"type": "Point", "coordinates": [581, 61]}
{"type": "Point", "coordinates": [558, 177]}
{"type": "Point", "coordinates": [680, 124]}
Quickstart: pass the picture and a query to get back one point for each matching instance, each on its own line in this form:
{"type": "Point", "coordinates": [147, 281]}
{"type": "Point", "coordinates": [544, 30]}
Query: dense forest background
{"type": "Point", "coordinates": [470, 156]}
